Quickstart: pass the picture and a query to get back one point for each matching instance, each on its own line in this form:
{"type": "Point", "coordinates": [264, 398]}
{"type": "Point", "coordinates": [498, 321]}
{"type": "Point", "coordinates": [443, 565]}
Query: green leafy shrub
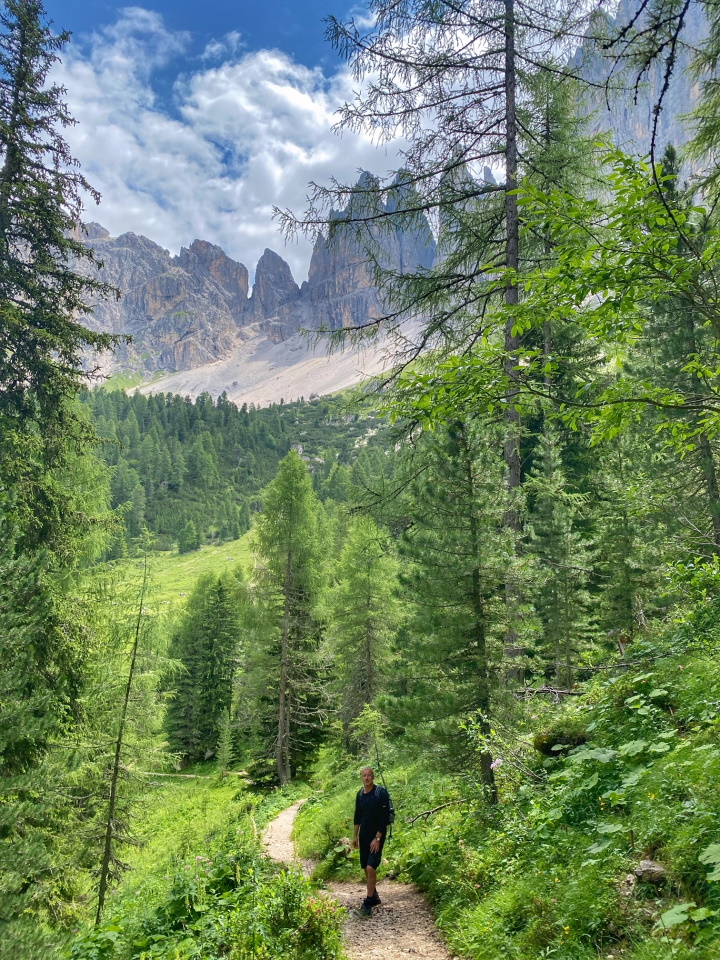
{"type": "Point", "coordinates": [288, 922]}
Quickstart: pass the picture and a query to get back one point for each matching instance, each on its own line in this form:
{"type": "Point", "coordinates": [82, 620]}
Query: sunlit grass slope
{"type": "Point", "coordinates": [198, 887]}
{"type": "Point", "coordinates": [173, 574]}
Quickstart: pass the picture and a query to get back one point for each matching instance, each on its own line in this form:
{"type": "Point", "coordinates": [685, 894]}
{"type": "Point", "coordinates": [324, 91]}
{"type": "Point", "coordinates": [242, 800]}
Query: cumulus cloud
{"type": "Point", "coordinates": [237, 138]}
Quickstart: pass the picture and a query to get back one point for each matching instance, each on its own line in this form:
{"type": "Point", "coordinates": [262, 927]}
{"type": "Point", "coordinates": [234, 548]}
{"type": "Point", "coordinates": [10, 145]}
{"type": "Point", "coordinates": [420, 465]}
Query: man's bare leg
{"type": "Point", "coordinates": [371, 875]}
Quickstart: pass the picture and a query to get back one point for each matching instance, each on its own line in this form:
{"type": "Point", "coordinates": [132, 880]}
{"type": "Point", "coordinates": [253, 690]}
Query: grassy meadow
{"type": "Point", "coordinates": [173, 574]}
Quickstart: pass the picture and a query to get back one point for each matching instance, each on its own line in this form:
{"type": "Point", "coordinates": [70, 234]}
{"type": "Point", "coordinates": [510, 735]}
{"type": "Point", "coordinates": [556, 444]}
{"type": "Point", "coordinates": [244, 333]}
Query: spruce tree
{"type": "Point", "coordinates": [564, 559]}
{"type": "Point", "coordinates": [456, 559]}
{"type": "Point", "coordinates": [42, 291]}
{"type": "Point", "coordinates": [364, 615]}
{"type": "Point", "coordinates": [206, 644]}
{"type": "Point", "coordinates": [289, 579]}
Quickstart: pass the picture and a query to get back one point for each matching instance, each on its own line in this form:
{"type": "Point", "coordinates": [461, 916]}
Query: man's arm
{"type": "Point", "coordinates": [357, 821]}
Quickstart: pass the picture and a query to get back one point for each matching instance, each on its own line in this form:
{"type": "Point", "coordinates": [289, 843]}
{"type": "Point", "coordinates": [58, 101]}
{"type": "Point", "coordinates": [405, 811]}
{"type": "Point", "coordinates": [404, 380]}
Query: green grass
{"type": "Point", "coordinates": [544, 873]}
{"type": "Point", "coordinates": [198, 887]}
{"type": "Point", "coordinates": [129, 379]}
{"type": "Point", "coordinates": [173, 575]}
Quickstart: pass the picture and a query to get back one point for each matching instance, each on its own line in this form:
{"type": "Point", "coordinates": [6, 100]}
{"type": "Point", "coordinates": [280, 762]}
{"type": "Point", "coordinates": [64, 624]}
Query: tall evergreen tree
{"type": "Point", "coordinates": [289, 578]}
{"type": "Point", "coordinates": [41, 290]}
{"type": "Point", "coordinates": [207, 646]}
{"type": "Point", "coordinates": [456, 560]}
{"type": "Point", "coordinates": [364, 615]}
{"type": "Point", "coordinates": [564, 558]}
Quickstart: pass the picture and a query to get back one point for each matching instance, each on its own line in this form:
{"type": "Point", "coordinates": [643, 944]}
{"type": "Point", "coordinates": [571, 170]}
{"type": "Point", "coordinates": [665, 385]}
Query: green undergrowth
{"type": "Point", "coordinates": [550, 870]}
{"type": "Point", "coordinates": [200, 889]}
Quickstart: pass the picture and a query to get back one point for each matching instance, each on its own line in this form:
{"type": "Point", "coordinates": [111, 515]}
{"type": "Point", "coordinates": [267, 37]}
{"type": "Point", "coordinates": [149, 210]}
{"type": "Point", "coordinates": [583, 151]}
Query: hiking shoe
{"type": "Point", "coordinates": [375, 900]}
{"type": "Point", "coordinates": [366, 908]}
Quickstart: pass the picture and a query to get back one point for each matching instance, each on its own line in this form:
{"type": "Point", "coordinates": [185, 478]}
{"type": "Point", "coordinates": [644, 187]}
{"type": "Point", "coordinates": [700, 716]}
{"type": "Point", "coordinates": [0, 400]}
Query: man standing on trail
{"type": "Point", "coordinates": [372, 815]}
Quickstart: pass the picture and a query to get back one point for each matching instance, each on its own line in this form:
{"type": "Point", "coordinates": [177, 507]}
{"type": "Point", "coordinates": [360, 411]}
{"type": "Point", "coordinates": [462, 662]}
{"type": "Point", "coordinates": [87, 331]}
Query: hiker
{"type": "Point", "coordinates": [372, 815]}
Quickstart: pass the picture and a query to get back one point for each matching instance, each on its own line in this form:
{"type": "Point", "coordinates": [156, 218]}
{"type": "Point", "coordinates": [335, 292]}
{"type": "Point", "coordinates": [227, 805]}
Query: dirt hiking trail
{"type": "Point", "coordinates": [400, 928]}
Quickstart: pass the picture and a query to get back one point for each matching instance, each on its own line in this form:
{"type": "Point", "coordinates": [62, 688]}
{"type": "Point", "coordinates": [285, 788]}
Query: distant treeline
{"type": "Point", "coordinates": [190, 471]}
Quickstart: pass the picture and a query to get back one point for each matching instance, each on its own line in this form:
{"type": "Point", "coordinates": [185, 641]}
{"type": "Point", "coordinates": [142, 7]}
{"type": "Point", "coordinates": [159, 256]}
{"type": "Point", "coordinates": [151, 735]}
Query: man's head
{"type": "Point", "coordinates": [368, 778]}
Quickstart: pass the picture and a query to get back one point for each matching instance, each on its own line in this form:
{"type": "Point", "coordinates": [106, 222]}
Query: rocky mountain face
{"type": "Point", "coordinates": [186, 311]}
{"type": "Point", "coordinates": [625, 113]}
{"type": "Point", "coordinates": [194, 322]}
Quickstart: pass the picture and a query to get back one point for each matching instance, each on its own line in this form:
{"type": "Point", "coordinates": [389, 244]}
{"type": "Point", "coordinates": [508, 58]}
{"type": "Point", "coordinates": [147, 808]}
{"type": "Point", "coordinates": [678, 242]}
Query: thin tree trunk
{"type": "Point", "coordinates": [369, 666]}
{"type": "Point", "coordinates": [478, 628]}
{"type": "Point", "coordinates": [282, 749]}
{"type": "Point", "coordinates": [115, 778]}
{"type": "Point", "coordinates": [511, 450]}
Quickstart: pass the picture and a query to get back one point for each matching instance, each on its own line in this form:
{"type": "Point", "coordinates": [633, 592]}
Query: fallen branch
{"type": "Point", "coordinates": [553, 691]}
{"type": "Point", "coordinates": [429, 813]}
{"type": "Point", "coordinates": [195, 776]}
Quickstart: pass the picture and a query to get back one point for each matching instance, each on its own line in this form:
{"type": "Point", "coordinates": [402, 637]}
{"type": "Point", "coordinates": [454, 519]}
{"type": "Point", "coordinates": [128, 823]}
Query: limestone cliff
{"type": "Point", "coordinates": [186, 311]}
{"type": "Point", "coordinates": [627, 113]}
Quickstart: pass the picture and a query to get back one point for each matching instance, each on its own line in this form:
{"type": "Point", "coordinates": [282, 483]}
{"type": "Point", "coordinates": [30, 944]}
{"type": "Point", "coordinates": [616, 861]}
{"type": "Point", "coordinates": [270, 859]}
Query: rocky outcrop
{"type": "Point", "coordinates": [203, 259]}
{"type": "Point", "coordinates": [186, 311]}
{"type": "Point", "coordinates": [274, 286]}
{"type": "Point", "coordinates": [627, 114]}
{"type": "Point", "coordinates": [180, 311]}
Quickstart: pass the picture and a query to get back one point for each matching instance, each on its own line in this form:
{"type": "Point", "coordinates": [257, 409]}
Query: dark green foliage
{"type": "Point", "coordinates": [178, 462]}
{"type": "Point", "coordinates": [564, 562]}
{"type": "Point", "coordinates": [363, 618]}
{"type": "Point", "coordinates": [456, 558]}
{"type": "Point", "coordinates": [289, 692]}
{"type": "Point", "coordinates": [41, 292]}
{"type": "Point", "coordinates": [40, 659]}
{"type": "Point", "coordinates": [206, 644]}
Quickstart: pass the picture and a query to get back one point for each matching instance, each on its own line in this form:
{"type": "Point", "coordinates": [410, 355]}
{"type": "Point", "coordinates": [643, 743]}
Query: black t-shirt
{"type": "Point", "coordinates": [372, 812]}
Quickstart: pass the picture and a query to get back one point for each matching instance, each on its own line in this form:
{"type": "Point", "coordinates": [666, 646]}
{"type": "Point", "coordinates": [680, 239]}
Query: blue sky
{"type": "Point", "coordinates": [194, 119]}
{"type": "Point", "coordinates": [294, 26]}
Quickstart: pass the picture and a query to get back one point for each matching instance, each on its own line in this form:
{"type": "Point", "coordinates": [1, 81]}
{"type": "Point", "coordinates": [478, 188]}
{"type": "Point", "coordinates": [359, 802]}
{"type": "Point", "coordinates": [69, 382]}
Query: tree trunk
{"type": "Point", "coordinates": [511, 451]}
{"type": "Point", "coordinates": [478, 628]}
{"type": "Point", "coordinates": [282, 748]}
{"type": "Point", "coordinates": [115, 776]}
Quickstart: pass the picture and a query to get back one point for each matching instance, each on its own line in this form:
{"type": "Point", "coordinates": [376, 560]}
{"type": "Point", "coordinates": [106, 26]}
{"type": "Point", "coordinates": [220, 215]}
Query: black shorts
{"type": "Point", "coordinates": [368, 859]}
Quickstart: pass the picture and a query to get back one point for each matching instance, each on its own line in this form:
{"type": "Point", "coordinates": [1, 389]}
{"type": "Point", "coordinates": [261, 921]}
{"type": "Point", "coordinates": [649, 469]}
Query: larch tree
{"type": "Point", "coordinates": [469, 85]}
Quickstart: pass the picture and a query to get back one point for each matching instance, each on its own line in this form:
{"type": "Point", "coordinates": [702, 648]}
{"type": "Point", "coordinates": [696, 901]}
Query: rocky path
{"type": "Point", "coordinates": [400, 928]}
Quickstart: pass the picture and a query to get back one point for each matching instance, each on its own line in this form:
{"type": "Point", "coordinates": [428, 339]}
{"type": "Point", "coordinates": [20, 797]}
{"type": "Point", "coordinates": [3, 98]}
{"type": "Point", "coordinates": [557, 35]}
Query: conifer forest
{"type": "Point", "coordinates": [493, 572]}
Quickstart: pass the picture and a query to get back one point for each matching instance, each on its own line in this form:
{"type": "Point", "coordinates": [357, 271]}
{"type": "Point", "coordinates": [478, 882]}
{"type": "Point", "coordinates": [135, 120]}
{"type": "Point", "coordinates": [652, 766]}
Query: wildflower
{"type": "Point", "coordinates": [497, 763]}
{"type": "Point", "coordinates": [566, 929]}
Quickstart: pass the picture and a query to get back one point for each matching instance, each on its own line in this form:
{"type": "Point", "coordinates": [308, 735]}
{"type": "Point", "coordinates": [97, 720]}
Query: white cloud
{"type": "Point", "coordinates": [228, 46]}
{"type": "Point", "coordinates": [246, 134]}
